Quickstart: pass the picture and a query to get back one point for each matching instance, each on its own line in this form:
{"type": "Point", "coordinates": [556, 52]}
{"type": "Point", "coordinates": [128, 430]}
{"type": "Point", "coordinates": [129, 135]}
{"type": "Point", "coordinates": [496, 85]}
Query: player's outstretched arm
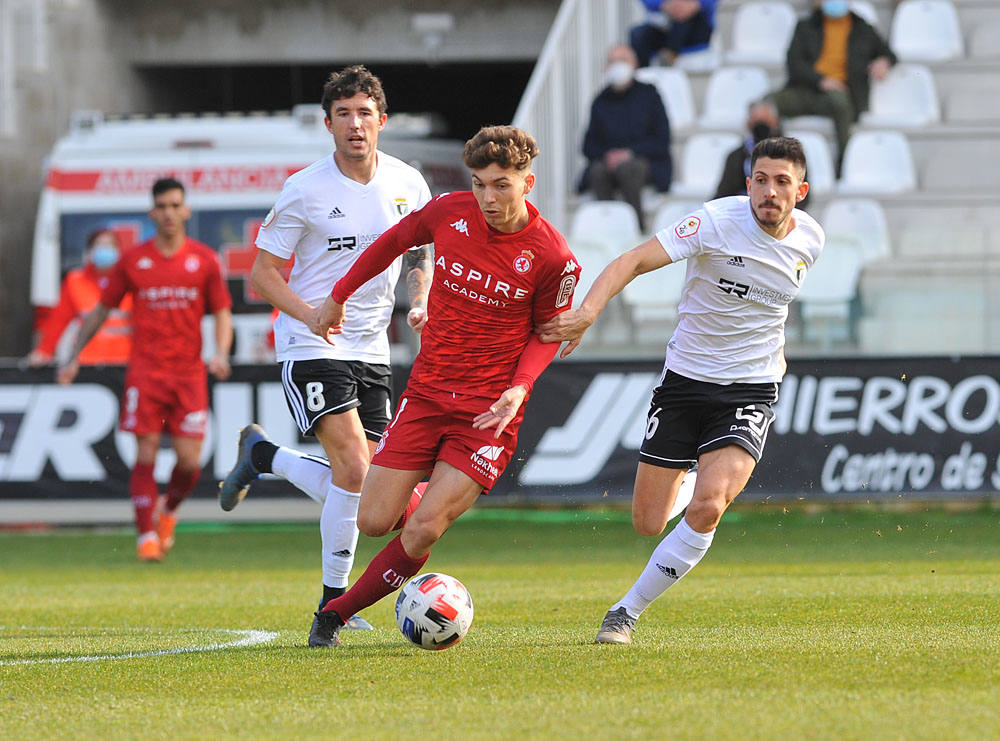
{"type": "Point", "coordinates": [569, 326]}
{"type": "Point", "coordinates": [418, 280]}
{"type": "Point", "coordinates": [68, 370]}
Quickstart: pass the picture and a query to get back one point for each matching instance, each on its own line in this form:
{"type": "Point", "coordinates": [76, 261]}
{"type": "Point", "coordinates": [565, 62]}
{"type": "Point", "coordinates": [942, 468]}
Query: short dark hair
{"type": "Point", "coordinates": [505, 145]}
{"type": "Point", "coordinates": [98, 232]}
{"type": "Point", "coordinates": [349, 82]}
{"type": "Point", "coordinates": [162, 185]}
{"type": "Point", "coordinates": [780, 148]}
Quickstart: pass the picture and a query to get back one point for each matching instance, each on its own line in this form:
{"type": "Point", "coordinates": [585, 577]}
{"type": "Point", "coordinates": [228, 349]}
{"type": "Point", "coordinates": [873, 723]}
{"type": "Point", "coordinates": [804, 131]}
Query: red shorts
{"type": "Point", "coordinates": [427, 430]}
{"type": "Point", "coordinates": [157, 401]}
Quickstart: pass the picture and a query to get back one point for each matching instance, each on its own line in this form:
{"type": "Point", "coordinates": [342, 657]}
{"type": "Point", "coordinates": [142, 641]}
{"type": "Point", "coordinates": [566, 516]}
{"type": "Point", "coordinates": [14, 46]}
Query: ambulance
{"type": "Point", "coordinates": [232, 166]}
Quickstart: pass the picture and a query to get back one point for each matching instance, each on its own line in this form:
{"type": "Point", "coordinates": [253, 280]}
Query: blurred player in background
{"type": "Point", "coordinates": [174, 281]}
{"type": "Point", "coordinates": [326, 217]}
{"type": "Point", "coordinates": [499, 269]}
{"type": "Point", "coordinates": [80, 293]}
{"type": "Point", "coordinates": [748, 257]}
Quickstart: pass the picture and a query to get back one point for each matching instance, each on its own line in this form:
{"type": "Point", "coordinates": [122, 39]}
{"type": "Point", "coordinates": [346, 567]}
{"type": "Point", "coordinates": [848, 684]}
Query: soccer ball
{"type": "Point", "coordinates": [434, 611]}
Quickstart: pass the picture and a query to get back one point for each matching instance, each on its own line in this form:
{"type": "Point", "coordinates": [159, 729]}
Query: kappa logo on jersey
{"type": "Point", "coordinates": [736, 261]}
{"type": "Point", "coordinates": [336, 213]}
{"type": "Point", "coordinates": [461, 226]}
{"type": "Point", "coordinates": [571, 267]}
{"type": "Point", "coordinates": [401, 206]}
{"type": "Point", "coordinates": [144, 263]}
{"type": "Point", "coordinates": [565, 293]}
{"type": "Point", "coordinates": [522, 263]}
{"type": "Point", "coordinates": [191, 264]}
{"type": "Point", "coordinates": [688, 227]}
{"type": "Point", "coordinates": [800, 271]}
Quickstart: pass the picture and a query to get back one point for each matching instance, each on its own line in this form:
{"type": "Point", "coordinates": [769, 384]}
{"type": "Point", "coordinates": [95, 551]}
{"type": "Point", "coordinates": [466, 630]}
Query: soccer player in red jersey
{"type": "Point", "coordinates": [174, 281]}
{"type": "Point", "coordinates": [500, 269]}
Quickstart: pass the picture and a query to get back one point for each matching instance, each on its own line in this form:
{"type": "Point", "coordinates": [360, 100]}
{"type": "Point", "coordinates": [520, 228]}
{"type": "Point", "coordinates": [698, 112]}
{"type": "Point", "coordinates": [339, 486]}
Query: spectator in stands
{"type": "Point", "coordinates": [81, 290]}
{"type": "Point", "coordinates": [627, 143]}
{"type": "Point", "coordinates": [672, 28]}
{"type": "Point", "coordinates": [762, 123]}
{"type": "Point", "coordinates": [833, 55]}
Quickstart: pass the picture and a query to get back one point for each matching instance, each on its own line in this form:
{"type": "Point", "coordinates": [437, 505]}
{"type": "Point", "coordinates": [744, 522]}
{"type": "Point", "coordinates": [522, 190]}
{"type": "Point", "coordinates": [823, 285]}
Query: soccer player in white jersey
{"type": "Point", "coordinates": [747, 257]}
{"type": "Point", "coordinates": [326, 216]}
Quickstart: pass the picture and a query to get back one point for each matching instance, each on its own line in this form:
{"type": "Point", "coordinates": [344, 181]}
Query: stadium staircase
{"type": "Point", "coordinates": [936, 290]}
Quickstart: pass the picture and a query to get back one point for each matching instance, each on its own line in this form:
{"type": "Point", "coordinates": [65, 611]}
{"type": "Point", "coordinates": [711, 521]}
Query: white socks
{"type": "Point", "coordinates": [338, 528]}
{"type": "Point", "coordinates": [307, 473]}
{"type": "Point", "coordinates": [676, 555]}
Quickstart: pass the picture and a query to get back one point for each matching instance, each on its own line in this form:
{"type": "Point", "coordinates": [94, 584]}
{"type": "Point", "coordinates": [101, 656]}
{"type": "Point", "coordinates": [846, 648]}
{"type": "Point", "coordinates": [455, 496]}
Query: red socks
{"type": "Point", "coordinates": [386, 573]}
{"type": "Point", "coordinates": [415, 497]}
{"type": "Point", "coordinates": [144, 492]}
{"type": "Point", "coordinates": [181, 484]}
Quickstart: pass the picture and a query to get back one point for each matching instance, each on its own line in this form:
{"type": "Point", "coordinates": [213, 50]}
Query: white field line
{"type": "Point", "coordinates": [246, 638]}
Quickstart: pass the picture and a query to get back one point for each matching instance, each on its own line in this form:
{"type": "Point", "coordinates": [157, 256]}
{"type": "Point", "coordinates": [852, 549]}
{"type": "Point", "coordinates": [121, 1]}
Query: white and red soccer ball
{"type": "Point", "coordinates": [434, 611]}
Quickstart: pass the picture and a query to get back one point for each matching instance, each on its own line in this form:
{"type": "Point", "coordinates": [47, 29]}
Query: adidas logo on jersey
{"type": "Point", "coordinates": [736, 261]}
{"type": "Point", "coordinates": [461, 226]}
{"type": "Point", "coordinates": [336, 213]}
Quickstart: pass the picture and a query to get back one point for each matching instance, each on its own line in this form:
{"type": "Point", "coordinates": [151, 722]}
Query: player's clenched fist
{"type": "Point", "coordinates": [326, 320]}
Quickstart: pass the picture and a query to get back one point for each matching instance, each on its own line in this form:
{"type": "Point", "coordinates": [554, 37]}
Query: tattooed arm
{"type": "Point", "coordinates": [418, 267]}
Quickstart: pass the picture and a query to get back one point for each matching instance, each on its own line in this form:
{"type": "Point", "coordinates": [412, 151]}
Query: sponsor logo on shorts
{"type": "Point", "coordinates": [195, 422]}
{"type": "Point", "coordinates": [484, 458]}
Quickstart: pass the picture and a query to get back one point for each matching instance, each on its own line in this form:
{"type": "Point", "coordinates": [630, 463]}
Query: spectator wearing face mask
{"type": "Point", "coordinates": [762, 123]}
{"type": "Point", "coordinates": [832, 58]}
{"type": "Point", "coordinates": [627, 143]}
{"type": "Point", "coordinates": [81, 290]}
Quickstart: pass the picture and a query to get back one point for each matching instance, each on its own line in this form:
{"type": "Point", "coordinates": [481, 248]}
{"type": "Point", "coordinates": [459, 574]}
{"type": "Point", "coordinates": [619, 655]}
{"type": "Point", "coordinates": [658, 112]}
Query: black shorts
{"type": "Point", "coordinates": [317, 387]}
{"type": "Point", "coordinates": [688, 418]}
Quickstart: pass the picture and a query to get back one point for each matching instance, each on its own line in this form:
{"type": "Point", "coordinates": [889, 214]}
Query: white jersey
{"type": "Point", "coordinates": [738, 285]}
{"type": "Point", "coordinates": [325, 220]}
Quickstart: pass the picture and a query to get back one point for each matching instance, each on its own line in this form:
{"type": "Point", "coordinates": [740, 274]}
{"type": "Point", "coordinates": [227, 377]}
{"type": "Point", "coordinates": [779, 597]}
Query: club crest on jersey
{"type": "Point", "coordinates": [688, 226]}
{"type": "Point", "coordinates": [144, 263]}
{"type": "Point", "coordinates": [191, 264]}
{"type": "Point", "coordinates": [800, 272]}
{"type": "Point", "coordinates": [522, 263]}
{"type": "Point", "coordinates": [401, 206]}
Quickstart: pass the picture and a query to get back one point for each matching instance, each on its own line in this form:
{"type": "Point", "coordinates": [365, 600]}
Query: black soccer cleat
{"type": "Point", "coordinates": [237, 482]}
{"type": "Point", "coordinates": [325, 627]}
{"type": "Point", "coordinates": [616, 628]}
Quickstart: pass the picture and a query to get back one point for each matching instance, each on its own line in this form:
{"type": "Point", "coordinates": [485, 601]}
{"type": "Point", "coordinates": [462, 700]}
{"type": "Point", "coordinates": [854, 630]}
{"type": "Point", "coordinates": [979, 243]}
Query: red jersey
{"type": "Point", "coordinates": [170, 295]}
{"type": "Point", "coordinates": [489, 290]}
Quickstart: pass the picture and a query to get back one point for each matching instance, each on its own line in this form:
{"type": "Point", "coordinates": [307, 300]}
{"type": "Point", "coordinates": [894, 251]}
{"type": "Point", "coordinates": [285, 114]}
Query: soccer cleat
{"type": "Point", "coordinates": [325, 627]}
{"type": "Point", "coordinates": [166, 523]}
{"type": "Point", "coordinates": [356, 622]}
{"type": "Point", "coordinates": [616, 628]}
{"type": "Point", "coordinates": [148, 548]}
{"type": "Point", "coordinates": [237, 482]}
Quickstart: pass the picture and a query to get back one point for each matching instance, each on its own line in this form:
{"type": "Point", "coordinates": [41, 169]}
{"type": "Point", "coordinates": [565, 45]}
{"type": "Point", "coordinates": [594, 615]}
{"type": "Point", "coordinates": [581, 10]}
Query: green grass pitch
{"type": "Point", "coordinates": [834, 625]}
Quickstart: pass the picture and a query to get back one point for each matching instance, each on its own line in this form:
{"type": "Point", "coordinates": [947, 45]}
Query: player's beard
{"type": "Point", "coordinates": [771, 223]}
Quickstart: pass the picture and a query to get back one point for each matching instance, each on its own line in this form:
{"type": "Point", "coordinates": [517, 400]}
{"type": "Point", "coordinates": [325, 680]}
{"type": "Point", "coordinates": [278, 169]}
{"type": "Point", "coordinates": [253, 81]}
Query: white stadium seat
{"type": "Point", "coordinates": [761, 32]}
{"type": "Point", "coordinates": [673, 211]}
{"type": "Point", "coordinates": [675, 90]}
{"type": "Point", "coordinates": [608, 221]}
{"type": "Point", "coordinates": [703, 60]}
{"type": "Point", "coordinates": [907, 97]}
{"type": "Point", "coordinates": [593, 256]}
{"type": "Point", "coordinates": [820, 171]}
{"type": "Point", "coordinates": [926, 31]}
{"type": "Point", "coordinates": [859, 219]}
{"type": "Point", "coordinates": [877, 162]}
{"type": "Point", "coordinates": [866, 10]}
{"type": "Point", "coordinates": [651, 300]}
{"type": "Point", "coordinates": [730, 90]}
{"type": "Point", "coordinates": [701, 164]}
{"type": "Point", "coordinates": [985, 41]}
{"type": "Point", "coordinates": [828, 291]}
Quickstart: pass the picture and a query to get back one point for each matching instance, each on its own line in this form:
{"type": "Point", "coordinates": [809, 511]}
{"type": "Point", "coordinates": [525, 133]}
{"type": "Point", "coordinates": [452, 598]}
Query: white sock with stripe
{"type": "Point", "coordinates": [338, 528]}
{"type": "Point", "coordinates": [676, 555]}
{"type": "Point", "coordinates": [307, 473]}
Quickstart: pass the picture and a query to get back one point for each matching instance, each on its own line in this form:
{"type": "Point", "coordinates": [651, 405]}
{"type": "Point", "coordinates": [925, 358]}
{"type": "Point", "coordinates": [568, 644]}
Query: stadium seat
{"type": "Point", "coordinates": [820, 171]}
{"type": "Point", "coordinates": [877, 162]}
{"type": "Point", "coordinates": [761, 32]}
{"type": "Point", "coordinates": [675, 90]}
{"type": "Point", "coordinates": [701, 164]}
{"type": "Point", "coordinates": [671, 212]}
{"type": "Point", "coordinates": [592, 255]}
{"type": "Point", "coordinates": [861, 220]}
{"type": "Point", "coordinates": [926, 31]}
{"type": "Point", "coordinates": [866, 10]}
{"type": "Point", "coordinates": [702, 60]}
{"type": "Point", "coordinates": [828, 292]}
{"type": "Point", "coordinates": [730, 90]}
{"type": "Point", "coordinates": [985, 41]}
{"type": "Point", "coordinates": [907, 97]}
{"type": "Point", "coordinates": [611, 222]}
{"type": "Point", "coordinates": [651, 301]}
